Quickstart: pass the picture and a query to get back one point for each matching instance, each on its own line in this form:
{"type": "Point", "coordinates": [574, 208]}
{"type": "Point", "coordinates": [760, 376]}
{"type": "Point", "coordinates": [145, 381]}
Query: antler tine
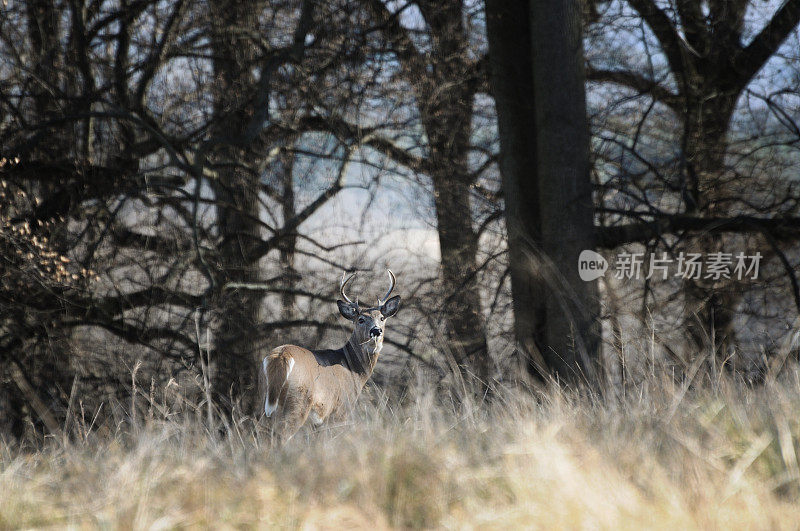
{"type": "Point", "coordinates": [391, 288]}
{"type": "Point", "coordinates": [343, 284]}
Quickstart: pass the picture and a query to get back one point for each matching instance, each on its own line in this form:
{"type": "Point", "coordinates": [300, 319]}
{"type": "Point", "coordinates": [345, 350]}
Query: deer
{"type": "Point", "coordinates": [297, 383]}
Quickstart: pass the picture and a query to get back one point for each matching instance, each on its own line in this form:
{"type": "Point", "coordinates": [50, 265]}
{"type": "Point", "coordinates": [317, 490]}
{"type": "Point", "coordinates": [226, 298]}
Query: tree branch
{"type": "Point", "coordinates": [750, 60]}
{"type": "Point", "coordinates": [365, 137]}
{"type": "Point", "coordinates": [113, 306]}
{"type": "Point", "coordinates": [124, 237]}
{"type": "Point", "coordinates": [664, 30]}
{"type": "Point", "coordinates": [411, 60]}
{"type": "Point", "coordinates": [637, 82]}
{"type": "Point", "coordinates": [291, 225]}
{"type": "Point", "coordinates": [156, 57]}
{"type": "Point", "coordinates": [694, 24]}
{"type": "Point", "coordinates": [614, 236]}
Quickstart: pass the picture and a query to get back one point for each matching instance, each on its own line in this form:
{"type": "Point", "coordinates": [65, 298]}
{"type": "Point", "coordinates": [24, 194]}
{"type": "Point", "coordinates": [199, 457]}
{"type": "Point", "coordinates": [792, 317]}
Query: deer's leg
{"type": "Point", "coordinates": [288, 419]}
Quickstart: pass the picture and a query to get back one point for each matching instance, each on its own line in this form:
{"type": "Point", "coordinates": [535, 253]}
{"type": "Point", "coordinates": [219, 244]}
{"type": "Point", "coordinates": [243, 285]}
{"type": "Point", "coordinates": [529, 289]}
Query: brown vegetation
{"type": "Point", "coordinates": [664, 455]}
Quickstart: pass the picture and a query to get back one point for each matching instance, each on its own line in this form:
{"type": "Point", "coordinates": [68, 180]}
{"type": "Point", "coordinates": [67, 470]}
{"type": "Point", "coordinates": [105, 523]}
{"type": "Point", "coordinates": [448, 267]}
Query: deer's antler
{"type": "Point", "coordinates": [393, 281]}
{"type": "Point", "coordinates": [343, 284]}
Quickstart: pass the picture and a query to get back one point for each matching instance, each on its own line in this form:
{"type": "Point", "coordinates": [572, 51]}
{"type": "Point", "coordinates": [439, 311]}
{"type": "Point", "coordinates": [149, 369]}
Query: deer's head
{"type": "Point", "coordinates": [370, 323]}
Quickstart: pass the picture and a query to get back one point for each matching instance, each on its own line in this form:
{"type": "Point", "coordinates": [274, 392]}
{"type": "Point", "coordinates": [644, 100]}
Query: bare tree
{"type": "Point", "coordinates": [445, 76]}
{"type": "Point", "coordinates": [710, 56]}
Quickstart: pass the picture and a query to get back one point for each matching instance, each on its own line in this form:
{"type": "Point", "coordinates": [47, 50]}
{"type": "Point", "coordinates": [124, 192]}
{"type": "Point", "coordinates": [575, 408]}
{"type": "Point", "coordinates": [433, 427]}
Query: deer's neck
{"type": "Point", "coordinates": [361, 358]}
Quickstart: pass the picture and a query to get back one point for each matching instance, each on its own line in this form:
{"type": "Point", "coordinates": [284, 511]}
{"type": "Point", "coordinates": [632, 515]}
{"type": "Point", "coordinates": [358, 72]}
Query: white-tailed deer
{"type": "Point", "coordinates": [296, 383]}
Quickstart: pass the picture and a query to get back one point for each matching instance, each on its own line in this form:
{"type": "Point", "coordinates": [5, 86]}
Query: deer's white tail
{"type": "Point", "coordinates": [277, 368]}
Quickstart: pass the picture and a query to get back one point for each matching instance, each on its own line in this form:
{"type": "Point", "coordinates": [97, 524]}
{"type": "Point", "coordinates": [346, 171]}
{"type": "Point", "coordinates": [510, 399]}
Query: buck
{"type": "Point", "coordinates": [297, 383]}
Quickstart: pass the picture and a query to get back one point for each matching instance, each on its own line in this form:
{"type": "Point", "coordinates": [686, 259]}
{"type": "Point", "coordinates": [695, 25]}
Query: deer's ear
{"type": "Point", "coordinates": [347, 310]}
{"type": "Point", "coordinates": [391, 306]}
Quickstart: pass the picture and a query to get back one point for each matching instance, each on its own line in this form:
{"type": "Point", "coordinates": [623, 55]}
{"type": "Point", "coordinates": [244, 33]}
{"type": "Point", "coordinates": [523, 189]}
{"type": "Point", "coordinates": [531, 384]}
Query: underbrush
{"type": "Point", "coordinates": [659, 455]}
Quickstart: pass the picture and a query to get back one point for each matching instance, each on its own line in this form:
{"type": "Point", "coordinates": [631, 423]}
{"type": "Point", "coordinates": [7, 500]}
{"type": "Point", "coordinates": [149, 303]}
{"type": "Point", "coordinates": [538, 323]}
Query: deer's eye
{"type": "Point", "coordinates": [361, 320]}
{"type": "Point", "coordinates": [383, 318]}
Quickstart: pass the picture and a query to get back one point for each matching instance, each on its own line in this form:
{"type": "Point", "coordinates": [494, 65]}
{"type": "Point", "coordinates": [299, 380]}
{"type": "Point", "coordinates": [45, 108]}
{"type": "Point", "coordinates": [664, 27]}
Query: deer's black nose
{"type": "Point", "coordinates": [375, 332]}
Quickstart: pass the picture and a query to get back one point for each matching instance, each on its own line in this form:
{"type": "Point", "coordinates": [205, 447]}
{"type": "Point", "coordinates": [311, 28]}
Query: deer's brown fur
{"type": "Point", "coordinates": [297, 383]}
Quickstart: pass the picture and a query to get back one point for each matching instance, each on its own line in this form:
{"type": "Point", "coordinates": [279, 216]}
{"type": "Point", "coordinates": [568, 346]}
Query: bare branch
{"type": "Point", "coordinates": [780, 228]}
{"type": "Point", "coordinates": [766, 43]}
{"type": "Point", "coordinates": [346, 131]}
{"type": "Point", "coordinates": [637, 82]}
{"type": "Point", "coordinates": [666, 33]}
{"type": "Point", "coordinates": [411, 60]}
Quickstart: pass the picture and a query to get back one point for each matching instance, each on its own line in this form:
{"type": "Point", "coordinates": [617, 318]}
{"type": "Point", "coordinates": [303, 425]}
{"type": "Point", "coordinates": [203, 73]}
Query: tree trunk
{"type": "Point", "coordinates": [234, 359]}
{"type": "Point", "coordinates": [711, 305]}
{"type": "Point", "coordinates": [233, 363]}
{"type": "Point", "coordinates": [35, 358]}
{"type": "Point", "coordinates": [544, 139]}
{"type": "Point", "coordinates": [444, 82]}
{"type": "Point", "coordinates": [508, 30]}
{"type": "Point", "coordinates": [459, 248]}
{"type": "Point", "coordinates": [287, 245]}
{"type": "Point", "coordinates": [448, 131]}
{"type": "Point", "coordinates": [447, 119]}
{"type": "Point", "coordinates": [571, 340]}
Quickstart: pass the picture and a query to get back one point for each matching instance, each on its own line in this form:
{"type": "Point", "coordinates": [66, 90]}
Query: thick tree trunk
{"type": "Point", "coordinates": [544, 138]}
{"type": "Point", "coordinates": [508, 29]}
{"type": "Point", "coordinates": [44, 36]}
{"type": "Point", "coordinates": [710, 305]}
{"type": "Point", "coordinates": [448, 131]}
{"type": "Point", "coordinates": [233, 362]}
{"type": "Point", "coordinates": [459, 247]}
{"type": "Point", "coordinates": [571, 341]}
{"type": "Point", "coordinates": [447, 119]}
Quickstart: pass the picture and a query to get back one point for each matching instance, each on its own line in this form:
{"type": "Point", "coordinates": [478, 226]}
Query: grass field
{"type": "Point", "coordinates": [667, 456]}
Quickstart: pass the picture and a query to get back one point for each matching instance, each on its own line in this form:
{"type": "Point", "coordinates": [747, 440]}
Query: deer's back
{"type": "Point", "coordinates": [320, 375]}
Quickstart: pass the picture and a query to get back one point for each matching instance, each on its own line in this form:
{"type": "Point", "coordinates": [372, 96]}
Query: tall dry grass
{"type": "Point", "coordinates": [661, 455]}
